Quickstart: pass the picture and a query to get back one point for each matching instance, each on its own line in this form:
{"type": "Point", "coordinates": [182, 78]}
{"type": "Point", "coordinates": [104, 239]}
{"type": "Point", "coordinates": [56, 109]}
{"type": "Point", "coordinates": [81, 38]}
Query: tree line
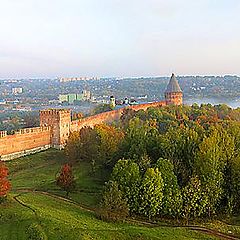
{"type": "Point", "coordinates": [174, 161]}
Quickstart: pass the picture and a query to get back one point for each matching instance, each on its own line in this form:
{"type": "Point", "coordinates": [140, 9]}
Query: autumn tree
{"type": "Point", "coordinates": [127, 115]}
{"type": "Point", "coordinates": [109, 140]}
{"type": "Point", "coordinates": [180, 145]}
{"type": "Point", "coordinates": [233, 185]}
{"type": "Point", "coordinates": [4, 182]}
{"type": "Point", "coordinates": [71, 149]}
{"type": "Point", "coordinates": [144, 163]}
{"type": "Point", "coordinates": [65, 179]}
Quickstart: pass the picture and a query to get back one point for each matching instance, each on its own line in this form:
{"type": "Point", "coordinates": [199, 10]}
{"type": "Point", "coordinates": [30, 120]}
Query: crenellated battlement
{"type": "Point", "coordinates": [24, 141]}
{"type": "Point", "coordinates": [33, 130]}
{"type": "Point", "coordinates": [53, 111]}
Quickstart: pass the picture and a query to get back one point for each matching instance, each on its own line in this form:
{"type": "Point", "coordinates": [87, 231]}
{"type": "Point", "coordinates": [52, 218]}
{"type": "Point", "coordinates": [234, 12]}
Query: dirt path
{"type": "Point", "coordinates": [201, 229]}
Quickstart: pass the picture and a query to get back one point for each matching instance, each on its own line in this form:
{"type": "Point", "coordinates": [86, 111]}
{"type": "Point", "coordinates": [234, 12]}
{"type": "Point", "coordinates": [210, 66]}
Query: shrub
{"type": "Point", "coordinates": [113, 206]}
{"type": "Point", "coordinates": [65, 180]}
{"type": "Point", "coordinates": [4, 183]}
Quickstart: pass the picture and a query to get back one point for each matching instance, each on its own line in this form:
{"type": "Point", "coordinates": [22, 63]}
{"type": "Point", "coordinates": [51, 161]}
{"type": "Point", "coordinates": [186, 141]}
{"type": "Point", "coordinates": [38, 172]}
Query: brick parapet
{"type": "Point", "coordinates": [24, 140]}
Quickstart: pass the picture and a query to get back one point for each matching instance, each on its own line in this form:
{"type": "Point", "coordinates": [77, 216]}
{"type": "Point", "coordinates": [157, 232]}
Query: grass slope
{"type": "Point", "coordinates": [39, 171]}
{"type": "Point", "coordinates": [63, 220]}
{"type": "Point", "coordinates": [59, 218]}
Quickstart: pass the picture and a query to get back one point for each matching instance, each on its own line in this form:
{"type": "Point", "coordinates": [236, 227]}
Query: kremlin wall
{"type": "Point", "coordinates": [56, 125]}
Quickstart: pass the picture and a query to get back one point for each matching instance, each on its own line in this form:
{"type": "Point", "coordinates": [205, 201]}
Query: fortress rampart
{"type": "Point", "coordinates": [54, 130]}
{"type": "Point", "coordinates": [108, 117]}
{"type": "Point", "coordinates": [56, 126]}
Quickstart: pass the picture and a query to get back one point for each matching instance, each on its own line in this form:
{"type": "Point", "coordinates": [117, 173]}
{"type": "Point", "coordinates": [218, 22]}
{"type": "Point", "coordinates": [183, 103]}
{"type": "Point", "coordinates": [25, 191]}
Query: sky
{"type": "Point", "coordinates": [64, 38]}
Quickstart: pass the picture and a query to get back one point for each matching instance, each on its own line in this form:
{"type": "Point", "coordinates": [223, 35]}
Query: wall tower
{"type": "Point", "coordinates": [173, 92]}
{"type": "Point", "coordinates": [59, 120]}
{"type": "Point", "coordinates": [112, 102]}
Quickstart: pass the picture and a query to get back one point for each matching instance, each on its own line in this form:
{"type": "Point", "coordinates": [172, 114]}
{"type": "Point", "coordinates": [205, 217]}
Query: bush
{"type": "Point", "coordinates": [5, 185]}
{"type": "Point", "coordinates": [113, 206]}
{"type": "Point", "coordinates": [65, 179]}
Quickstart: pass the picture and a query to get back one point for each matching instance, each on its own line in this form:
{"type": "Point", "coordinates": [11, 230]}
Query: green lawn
{"type": "Point", "coordinates": [39, 171]}
{"type": "Point", "coordinates": [58, 218]}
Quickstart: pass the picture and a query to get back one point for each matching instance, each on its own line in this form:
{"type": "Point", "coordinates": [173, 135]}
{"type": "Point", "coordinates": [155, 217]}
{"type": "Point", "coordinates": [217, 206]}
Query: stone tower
{"type": "Point", "coordinates": [173, 93]}
{"type": "Point", "coordinates": [59, 120]}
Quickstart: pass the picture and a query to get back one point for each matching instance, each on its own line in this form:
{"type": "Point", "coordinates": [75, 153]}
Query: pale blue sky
{"type": "Point", "coordinates": [119, 37]}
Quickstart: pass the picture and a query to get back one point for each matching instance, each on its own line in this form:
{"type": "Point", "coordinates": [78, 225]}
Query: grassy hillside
{"type": "Point", "coordinates": [37, 172]}
{"type": "Point", "coordinates": [56, 217]}
{"type": "Point", "coordinates": [63, 220]}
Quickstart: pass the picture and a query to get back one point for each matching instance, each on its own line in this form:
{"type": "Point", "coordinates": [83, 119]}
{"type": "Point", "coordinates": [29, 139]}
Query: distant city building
{"type": "Point", "coordinates": [2, 102]}
{"type": "Point", "coordinates": [17, 90]}
{"type": "Point", "coordinates": [71, 97]}
{"type": "Point", "coordinates": [71, 79]}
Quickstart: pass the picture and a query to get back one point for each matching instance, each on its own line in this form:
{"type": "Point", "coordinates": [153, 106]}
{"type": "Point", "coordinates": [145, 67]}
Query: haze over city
{"type": "Point", "coordinates": [119, 38]}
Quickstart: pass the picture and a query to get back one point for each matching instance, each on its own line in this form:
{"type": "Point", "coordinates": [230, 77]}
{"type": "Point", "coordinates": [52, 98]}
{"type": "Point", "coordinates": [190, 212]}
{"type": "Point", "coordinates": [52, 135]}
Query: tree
{"type": "Point", "coordinates": [209, 167]}
{"type": "Point", "coordinates": [127, 115]}
{"type": "Point", "coordinates": [180, 145]}
{"type": "Point", "coordinates": [88, 145]}
{"type": "Point", "coordinates": [71, 149]}
{"type": "Point", "coordinates": [113, 206]}
{"type": "Point", "coordinates": [65, 180]}
{"type": "Point", "coordinates": [233, 203]}
{"type": "Point", "coordinates": [109, 140]}
{"type": "Point", "coordinates": [5, 185]}
{"type": "Point", "coordinates": [195, 200]}
{"type": "Point", "coordinates": [144, 163]}
{"type": "Point", "coordinates": [139, 139]}
{"type": "Point", "coordinates": [126, 174]}
{"type": "Point", "coordinates": [172, 199]}
{"type": "Point", "coordinates": [101, 108]}
{"type": "Point", "coordinates": [151, 193]}
{"type": "Point", "coordinates": [31, 119]}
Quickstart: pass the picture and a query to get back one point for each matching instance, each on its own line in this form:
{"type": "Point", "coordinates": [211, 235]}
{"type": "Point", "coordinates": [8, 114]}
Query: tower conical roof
{"type": "Point", "coordinates": [173, 85]}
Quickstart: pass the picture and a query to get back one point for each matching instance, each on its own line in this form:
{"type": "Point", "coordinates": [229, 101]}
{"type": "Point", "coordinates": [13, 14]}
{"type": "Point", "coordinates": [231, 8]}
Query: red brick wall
{"type": "Point", "coordinates": [110, 116]}
{"type": "Point", "coordinates": [25, 139]}
{"type": "Point", "coordinates": [55, 128]}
